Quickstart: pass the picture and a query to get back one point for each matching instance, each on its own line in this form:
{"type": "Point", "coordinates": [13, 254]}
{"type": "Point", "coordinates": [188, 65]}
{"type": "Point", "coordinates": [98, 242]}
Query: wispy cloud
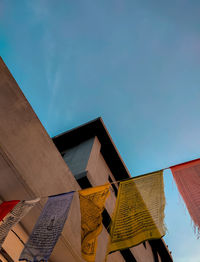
{"type": "Point", "coordinates": [42, 15]}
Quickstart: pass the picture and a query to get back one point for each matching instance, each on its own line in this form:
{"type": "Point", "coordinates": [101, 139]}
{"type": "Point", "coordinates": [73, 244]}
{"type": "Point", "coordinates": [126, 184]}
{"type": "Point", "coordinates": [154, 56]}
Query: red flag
{"type": "Point", "coordinates": [187, 178]}
{"type": "Point", "coordinates": [6, 207]}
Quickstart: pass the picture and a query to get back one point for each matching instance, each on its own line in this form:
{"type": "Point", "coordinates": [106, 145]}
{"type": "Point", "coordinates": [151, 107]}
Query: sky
{"type": "Point", "coordinates": [134, 63]}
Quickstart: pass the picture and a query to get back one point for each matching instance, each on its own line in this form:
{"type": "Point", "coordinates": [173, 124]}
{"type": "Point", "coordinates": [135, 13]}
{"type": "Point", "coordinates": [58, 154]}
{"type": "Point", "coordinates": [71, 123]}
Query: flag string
{"type": "Point", "coordinates": [150, 173]}
{"type": "Point", "coordinates": [114, 182]}
{"type": "Point", "coordinates": [135, 177]}
{"type": "Point", "coordinates": [118, 181]}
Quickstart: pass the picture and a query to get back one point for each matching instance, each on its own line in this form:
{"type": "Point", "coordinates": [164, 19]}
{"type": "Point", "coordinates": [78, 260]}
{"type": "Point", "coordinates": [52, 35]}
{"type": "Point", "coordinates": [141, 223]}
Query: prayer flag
{"type": "Point", "coordinates": [187, 178]}
{"type": "Point", "coordinates": [139, 212]}
{"type": "Point", "coordinates": [14, 216]}
{"type": "Point", "coordinates": [48, 228]}
{"type": "Point", "coordinates": [92, 202]}
{"type": "Point", "coordinates": [6, 207]}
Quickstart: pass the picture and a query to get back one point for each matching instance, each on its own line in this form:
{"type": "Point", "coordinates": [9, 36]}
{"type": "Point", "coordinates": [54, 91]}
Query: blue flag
{"type": "Point", "coordinates": [48, 228]}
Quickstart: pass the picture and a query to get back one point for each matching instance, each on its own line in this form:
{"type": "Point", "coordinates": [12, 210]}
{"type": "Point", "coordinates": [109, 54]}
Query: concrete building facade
{"type": "Point", "coordinates": [34, 165]}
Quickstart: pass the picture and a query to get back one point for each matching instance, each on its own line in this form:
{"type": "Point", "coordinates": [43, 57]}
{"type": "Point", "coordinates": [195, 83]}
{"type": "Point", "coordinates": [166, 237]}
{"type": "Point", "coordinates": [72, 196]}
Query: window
{"type": "Point", "coordinates": [4, 257]}
{"type": "Point", "coordinates": [113, 185]}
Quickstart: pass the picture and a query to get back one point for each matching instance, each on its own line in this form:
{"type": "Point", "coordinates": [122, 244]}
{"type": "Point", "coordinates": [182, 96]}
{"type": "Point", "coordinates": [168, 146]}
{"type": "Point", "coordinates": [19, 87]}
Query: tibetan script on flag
{"type": "Point", "coordinates": [48, 228]}
{"type": "Point", "coordinates": [187, 178]}
{"type": "Point", "coordinates": [139, 212]}
{"type": "Point", "coordinates": [92, 202]}
{"type": "Point", "coordinates": [14, 216]}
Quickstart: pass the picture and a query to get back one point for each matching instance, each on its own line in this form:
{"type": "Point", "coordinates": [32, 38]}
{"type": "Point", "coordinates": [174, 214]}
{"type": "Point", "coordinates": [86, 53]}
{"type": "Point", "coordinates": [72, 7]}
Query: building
{"type": "Point", "coordinates": [93, 159]}
{"type": "Point", "coordinates": [34, 165]}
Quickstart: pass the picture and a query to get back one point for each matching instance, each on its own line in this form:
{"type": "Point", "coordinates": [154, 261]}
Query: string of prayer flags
{"type": "Point", "coordinates": [48, 228]}
{"type": "Point", "coordinates": [6, 207]}
{"type": "Point", "coordinates": [187, 178]}
{"type": "Point", "coordinates": [14, 216]}
{"type": "Point", "coordinates": [92, 203]}
{"type": "Point", "coordinates": [139, 212]}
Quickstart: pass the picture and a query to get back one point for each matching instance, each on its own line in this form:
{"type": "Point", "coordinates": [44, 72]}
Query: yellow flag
{"type": "Point", "coordinates": [92, 201]}
{"type": "Point", "coordinates": [139, 212]}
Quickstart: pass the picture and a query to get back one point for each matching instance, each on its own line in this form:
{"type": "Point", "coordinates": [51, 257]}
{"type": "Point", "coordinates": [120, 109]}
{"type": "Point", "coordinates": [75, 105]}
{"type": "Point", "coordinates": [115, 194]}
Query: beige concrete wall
{"type": "Point", "coordinates": [98, 173]}
{"type": "Point", "coordinates": [31, 166]}
{"type": "Point", "coordinates": [12, 245]}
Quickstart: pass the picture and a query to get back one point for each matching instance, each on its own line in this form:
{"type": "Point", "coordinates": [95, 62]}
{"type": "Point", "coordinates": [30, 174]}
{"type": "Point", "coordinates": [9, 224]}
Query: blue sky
{"type": "Point", "coordinates": [135, 63]}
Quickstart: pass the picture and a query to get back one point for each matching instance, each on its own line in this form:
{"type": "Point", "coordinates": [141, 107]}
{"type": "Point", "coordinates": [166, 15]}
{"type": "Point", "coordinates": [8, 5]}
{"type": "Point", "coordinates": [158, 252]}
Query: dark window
{"type": "Point", "coordinates": [84, 182]}
{"type": "Point", "coordinates": [154, 250]}
{"type": "Point", "coordinates": [5, 255]}
{"type": "Point", "coordinates": [62, 154]}
{"type": "Point", "coordinates": [158, 247]}
{"type": "Point", "coordinates": [106, 220]}
{"type": "Point", "coordinates": [113, 185]}
{"type": "Point", "coordinates": [127, 255]}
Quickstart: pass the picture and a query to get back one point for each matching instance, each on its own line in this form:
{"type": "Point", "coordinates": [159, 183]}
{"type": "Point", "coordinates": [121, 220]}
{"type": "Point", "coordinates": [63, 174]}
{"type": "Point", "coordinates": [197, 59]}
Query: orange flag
{"type": "Point", "coordinates": [92, 202]}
